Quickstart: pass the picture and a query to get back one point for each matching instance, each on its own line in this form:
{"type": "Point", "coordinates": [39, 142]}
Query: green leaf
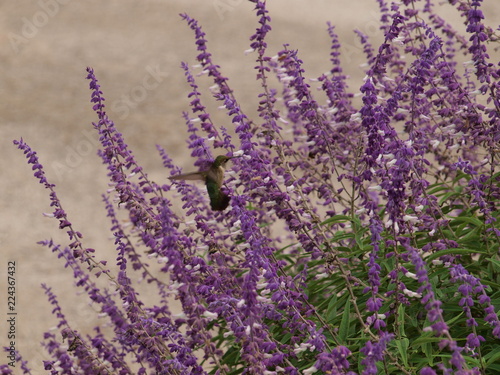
{"type": "Point", "coordinates": [345, 322]}
{"type": "Point", "coordinates": [331, 310]}
{"type": "Point", "coordinates": [426, 338]}
{"type": "Point", "coordinates": [402, 345]}
{"type": "Point", "coordinates": [469, 236]}
{"type": "Point", "coordinates": [336, 219]}
{"type": "Point", "coordinates": [401, 320]}
{"type": "Point", "coordinates": [492, 358]}
{"type": "Point", "coordinates": [466, 219]}
{"type": "Point", "coordinates": [232, 355]}
{"type": "Point", "coordinates": [285, 338]}
{"type": "Point", "coordinates": [436, 188]}
{"type": "Point", "coordinates": [339, 236]}
{"type": "Point", "coordinates": [448, 196]}
{"type": "Point", "coordinates": [494, 263]}
{"type": "Point", "coordinates": [358, 237]}
{"type": "Point", "coordinates": [440, 253]}
{"type": "Point", "coordinates": [456, 317]}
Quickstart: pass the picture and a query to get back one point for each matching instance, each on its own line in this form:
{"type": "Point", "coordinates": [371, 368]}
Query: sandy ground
{"type": "Point", "coordinates": [44, 98]}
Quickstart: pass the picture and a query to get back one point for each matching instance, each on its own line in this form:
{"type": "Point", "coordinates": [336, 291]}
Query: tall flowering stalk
{"type": "Point", "coordinates": [357, 240]}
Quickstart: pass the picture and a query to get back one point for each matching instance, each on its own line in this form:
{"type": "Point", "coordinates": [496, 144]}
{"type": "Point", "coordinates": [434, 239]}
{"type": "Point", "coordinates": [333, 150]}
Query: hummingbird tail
{"type": "Point", "coordinates": [221, 203]}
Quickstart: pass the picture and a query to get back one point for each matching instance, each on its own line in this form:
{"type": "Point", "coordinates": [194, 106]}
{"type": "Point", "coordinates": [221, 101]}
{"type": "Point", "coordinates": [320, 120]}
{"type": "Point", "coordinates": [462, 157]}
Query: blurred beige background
{"type": "Point", "coordinates": [44, 98]}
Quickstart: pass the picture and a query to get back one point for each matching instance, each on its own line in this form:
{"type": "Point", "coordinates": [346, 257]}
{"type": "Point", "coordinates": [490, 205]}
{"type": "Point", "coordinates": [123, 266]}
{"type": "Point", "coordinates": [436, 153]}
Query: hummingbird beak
{"type": "Point", "coordinates": [237, 154]}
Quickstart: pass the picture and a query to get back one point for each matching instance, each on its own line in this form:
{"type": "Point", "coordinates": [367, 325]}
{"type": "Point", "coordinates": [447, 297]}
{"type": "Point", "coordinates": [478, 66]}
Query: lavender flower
{"type": "Point", "coordinates": [374, 353]}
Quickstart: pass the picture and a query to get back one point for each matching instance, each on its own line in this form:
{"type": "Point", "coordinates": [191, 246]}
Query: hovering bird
{"type": "Point", "coordinates": [213, 177]}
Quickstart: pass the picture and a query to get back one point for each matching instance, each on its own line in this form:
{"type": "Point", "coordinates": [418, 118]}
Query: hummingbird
{"type": "Point", "coordinates": [213, 177]}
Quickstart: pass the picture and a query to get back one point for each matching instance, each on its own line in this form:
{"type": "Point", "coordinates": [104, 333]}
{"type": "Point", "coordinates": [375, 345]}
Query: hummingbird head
{"type": "Point", "coordinates": [221, 160]}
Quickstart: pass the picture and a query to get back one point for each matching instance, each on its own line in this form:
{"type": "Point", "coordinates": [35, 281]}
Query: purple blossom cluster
{"type": "Point", "coordinates": [357, 240]}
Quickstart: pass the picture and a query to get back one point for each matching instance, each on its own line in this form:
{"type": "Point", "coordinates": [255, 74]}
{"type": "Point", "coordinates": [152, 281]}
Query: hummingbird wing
{"type": "Point", "coordinates": [193, 176]}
